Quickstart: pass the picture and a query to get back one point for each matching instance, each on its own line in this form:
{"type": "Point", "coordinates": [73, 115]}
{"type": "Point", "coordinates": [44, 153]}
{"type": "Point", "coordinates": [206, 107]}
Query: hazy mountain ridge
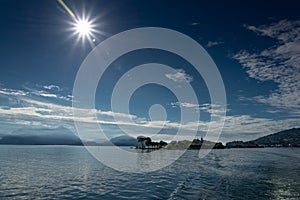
{"type": "Point", "coordinates": [42, 136]}
{"type": "Point", "coordinates": [124, 140]}
{"type": "Point", "coordinates": [57, 136]}
{"type": "Point", "coordinates": [286, 138]}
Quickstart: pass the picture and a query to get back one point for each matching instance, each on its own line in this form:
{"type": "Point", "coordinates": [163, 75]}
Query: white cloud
{"type": "Point", "coordinates": [41, 93]}
{"type": "Point", "coordinates": [213, 109]}
{"type": "Point", "coordinates": [11, 92]}
{"type": "Point", "coordinates": [213, 43]}
{"type": "Point", "coordinates": [185, 105]}
{"type": "Point", "coordinates": [37, 113]}
{"type": "Point", "coordinates": [51, 95]}
{"type": "Point", "coordinates": [52, 91]}
{"type": "Point", "coordinates": [279, 63]}
{"type": "Point", "coordinates": [195, 24]}
{"type": "Point", "coordinates": [45, 94]}
{"type": "Point", "coordinates": [33, 112]}
{"type": "Point", "coordinates": [180, 76]}
{"type": "Point", "coordinates": [52, 87]}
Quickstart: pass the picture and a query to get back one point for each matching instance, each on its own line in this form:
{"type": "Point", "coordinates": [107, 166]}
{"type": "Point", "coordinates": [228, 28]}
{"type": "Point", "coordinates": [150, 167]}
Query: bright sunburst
{"type": "Point", "coordinates": [83, 28]}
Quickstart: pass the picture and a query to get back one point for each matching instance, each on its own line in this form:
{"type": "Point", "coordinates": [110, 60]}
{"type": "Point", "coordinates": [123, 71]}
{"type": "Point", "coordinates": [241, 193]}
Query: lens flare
{"type": "Point", "coordinates": [62, 3]}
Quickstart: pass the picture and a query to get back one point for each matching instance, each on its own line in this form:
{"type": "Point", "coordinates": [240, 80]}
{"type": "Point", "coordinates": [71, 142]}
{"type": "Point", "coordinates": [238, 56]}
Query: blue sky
{"type": "Point", "coordinates": [255, 45]}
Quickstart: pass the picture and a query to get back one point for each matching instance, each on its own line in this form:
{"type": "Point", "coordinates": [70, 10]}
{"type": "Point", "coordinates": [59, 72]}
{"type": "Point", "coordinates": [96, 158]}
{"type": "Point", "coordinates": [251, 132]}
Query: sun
{"type": "Point", "coordinates": [83, 27]}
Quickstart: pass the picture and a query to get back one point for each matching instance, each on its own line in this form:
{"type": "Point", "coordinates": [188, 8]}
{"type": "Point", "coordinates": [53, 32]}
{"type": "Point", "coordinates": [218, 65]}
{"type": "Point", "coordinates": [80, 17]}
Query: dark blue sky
{"type": "Point", "coordinates": [254, 44]}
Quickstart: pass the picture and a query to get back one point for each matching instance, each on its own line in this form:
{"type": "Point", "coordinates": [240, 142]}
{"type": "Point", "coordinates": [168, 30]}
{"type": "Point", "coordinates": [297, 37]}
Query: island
{"type": "Point", "coordinates": [195, 144]}
{"type": "Point", "coordinates": [145, 143]}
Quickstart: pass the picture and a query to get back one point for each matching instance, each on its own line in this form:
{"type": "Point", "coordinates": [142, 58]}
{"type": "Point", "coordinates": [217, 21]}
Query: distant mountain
{"type": "Point", "coordinates": [41, 136]}
{"type": "Point", "coordinates": [124, 140]}
{"type": "Point", "coordinates": [285, 138]}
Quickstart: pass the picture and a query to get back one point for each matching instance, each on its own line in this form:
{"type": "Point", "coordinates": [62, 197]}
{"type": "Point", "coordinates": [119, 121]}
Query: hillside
{"type": "Point", "coordinates": [284, 138]}
{"type": "Point", "coordinates": [124, 140]}
{"type": "Point", "coordinates": [41, 136]}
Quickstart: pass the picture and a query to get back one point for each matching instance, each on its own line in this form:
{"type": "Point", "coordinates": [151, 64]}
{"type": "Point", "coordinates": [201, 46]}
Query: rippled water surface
{"type": "Point", "coordinates": [70, 172]}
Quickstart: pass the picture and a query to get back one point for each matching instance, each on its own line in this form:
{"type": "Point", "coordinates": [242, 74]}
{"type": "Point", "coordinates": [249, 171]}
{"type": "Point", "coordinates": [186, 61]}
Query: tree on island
{"type": "Point", "coordinates": [146, 141]}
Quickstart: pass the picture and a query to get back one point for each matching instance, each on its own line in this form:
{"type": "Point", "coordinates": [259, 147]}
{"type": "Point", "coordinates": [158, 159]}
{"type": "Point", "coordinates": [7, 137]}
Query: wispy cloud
{"type": "Point", "coordinates": [47, 94]}
{"type": "Point", "coordinates": [279, 63]}
{"type": "Point", "coordinates": [213, 43]}
{"type": "Point", "coordinates": [12, 92]}
{"type": "Point", "coordinates": [180, 76]}
{"type": "Point", "coordinates": [213, 109]}
{"type": "Point", "coordinates": [185, 105]}
{"type": "Point", "coordinates": [51, 91]}
{"type": "Point", "coordinates": [37, 112]}
{"type": "Point", "coordinates": [52, 87]}
{"type": "Point", "coordinates": [195, 24]}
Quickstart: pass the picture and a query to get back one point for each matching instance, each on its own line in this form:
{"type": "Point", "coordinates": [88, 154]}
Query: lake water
{"type": "Point", "coordinates": [70, 172]}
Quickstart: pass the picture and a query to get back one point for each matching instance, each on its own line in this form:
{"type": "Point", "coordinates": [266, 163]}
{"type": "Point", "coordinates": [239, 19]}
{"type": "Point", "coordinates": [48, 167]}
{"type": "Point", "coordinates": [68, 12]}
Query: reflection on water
{"type": "Point", "coordinates": [284, 189]}
{"type": "Point", "coordinates": [130, 160]}
{"type": "Point", "coordinates": [70, 172]}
